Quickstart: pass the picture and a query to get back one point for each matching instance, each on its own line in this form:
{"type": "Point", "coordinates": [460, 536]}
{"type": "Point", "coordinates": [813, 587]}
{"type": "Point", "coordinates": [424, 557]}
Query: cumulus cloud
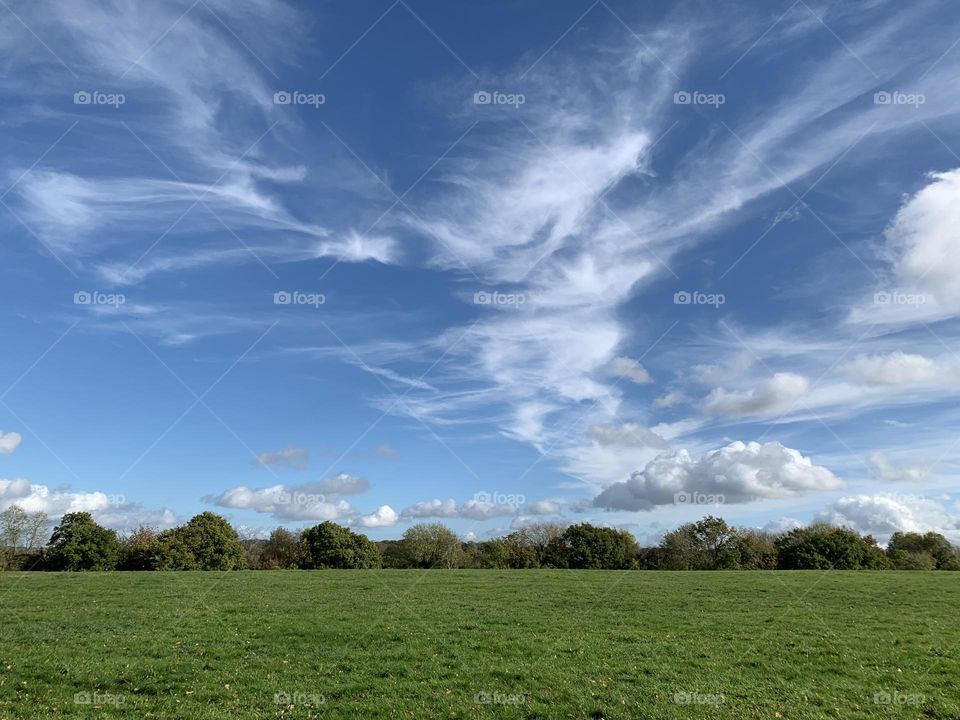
{"type": "Point", "coordinates": [882, 515]}
{"type": "Point", "coordinates": [291, 457]}
{"type": "Point", "coordinates": [9, 442]}
{"type": "Point", "coordinates": [630, 369]}
{"type": "Point", "coordinates": [471, 509]}
{"type": "Point", "coordinates": [898, 368]}
{"type": "Point", "coordinates": [774, 394]}
{"type": "Point", "coordinates": [383, 516]}
{"type": "Point", "coordinates": [670, 399]}
{"type": "Point", "coordinates": [542, 507]}
{"type": "Point", "coordinates": [113, 511]}
{"type": "Point", "coordinates": [740, 472]}
{"type": "Point", "coordinates": [306, 501]}
{"type": "Point", "coordinates": [782, 525]}
{"type": "Point", "coordinates": [883, 469]}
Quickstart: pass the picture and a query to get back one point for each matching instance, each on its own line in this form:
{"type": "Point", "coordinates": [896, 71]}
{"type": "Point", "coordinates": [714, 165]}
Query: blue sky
{"type": "Point", "coordinates": [481, 263]}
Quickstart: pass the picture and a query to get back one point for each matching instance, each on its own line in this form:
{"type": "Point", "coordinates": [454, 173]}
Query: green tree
{"type": "Point", "coordinates": [79, 543]}
{"type": "Point", "coordinates": [207, 542]}
{"type": "Point", "coordinates": [282, 550]}
{"type": "Point", "coordinates": [595, 548]}
{"type": "Point", "coordinates": [822, 547]}
{"type": "Point", "coordinates": [905, 548]}
{"type": "Point", "coordinates": [329, 545]}
{"type": "Point", "coordinates": [140, 550]}
{"type": "Point", "coordinates": [427, 545]}
{"type": "Point", "coordinates": [708, 544]}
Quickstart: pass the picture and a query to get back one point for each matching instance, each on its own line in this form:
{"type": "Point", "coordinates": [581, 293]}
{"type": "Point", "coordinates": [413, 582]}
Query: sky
{"type": "Point", "coordinates": [483, 264]}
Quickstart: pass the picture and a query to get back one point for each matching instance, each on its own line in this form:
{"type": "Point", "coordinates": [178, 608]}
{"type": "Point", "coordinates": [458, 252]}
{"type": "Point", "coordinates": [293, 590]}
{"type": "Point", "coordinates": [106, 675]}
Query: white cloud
{"type": "Point", "coordinates": [670, 399]}
{"type": "Point", "coordinates": [292, 457]}
{"type": "Point", "coordinates": [898, 368]}
{"type": "Point", "coordinates": [883, 515]}
{"type": "Point", "coordinates": [384, 516]}
{"type": "Point", "coordinates": [624, 367]}
{"type": "Point", "coordinates": [740, 472]}
{"type": "Point", "coordinates": [542, 507]}
{"type": "Point", "coordinates": [782, 525]}
{"type": "Point", "coordinates": [884, 470]}
{"type": "Point", "coordinates": [9, 442]}
{"type": "Point", "coordinates": [777, 393]}
{"type": "Point", "coordinates": [306, 501]}
{"type": "Point", "coordinates": [471, 509]}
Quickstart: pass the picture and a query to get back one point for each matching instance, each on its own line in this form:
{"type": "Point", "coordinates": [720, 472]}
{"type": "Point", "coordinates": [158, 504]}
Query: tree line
{"type": "Point", "coordinates": [209, 542]}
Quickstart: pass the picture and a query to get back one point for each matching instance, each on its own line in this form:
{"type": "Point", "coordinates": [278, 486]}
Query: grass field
{"type": "Point", "coordinates": [474, 644]}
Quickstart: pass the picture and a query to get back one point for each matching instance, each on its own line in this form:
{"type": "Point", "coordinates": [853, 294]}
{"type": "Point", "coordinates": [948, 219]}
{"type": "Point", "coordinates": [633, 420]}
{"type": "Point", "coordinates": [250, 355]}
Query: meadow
{"type": "Point", "coordinates": [480, 643]}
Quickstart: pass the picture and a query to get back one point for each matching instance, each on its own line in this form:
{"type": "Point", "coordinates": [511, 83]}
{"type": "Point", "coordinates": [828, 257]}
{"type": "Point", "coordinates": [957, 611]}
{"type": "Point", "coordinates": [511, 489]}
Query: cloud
{"type": "Point", "coordinates": [882, 515]}
{"type": "Point", "coordinates": [9, 442]}
{"type": "Point", "coordinates": [898, 368]}
{"type": "Point", "coordinates": [739, 472]}
{"type": "Point", "coordinates": [113, 511]}
{"type": "Point", "coordinates": [306, 501]}
{"type": "Point", "coordinates": [542, 507]}
{"type": "Point", "coordinates": [782, 525]}
{"type": "Point", "coordinates": [471, 509]}
{"type": "Point", "coordinates": [291, 457]}
{"type": "Point", "coordinates": [384, 516]}
{"type": "Point", "coordinates": [777, 393]}
{"type": "Point", "coordinates": [884, 470]}
{"type": "Point", "coordinates": [626, 434]}
{"type": "Point", "coordinates": [624, 367]}
{"type": "Point", "coordinates": [670, 399]}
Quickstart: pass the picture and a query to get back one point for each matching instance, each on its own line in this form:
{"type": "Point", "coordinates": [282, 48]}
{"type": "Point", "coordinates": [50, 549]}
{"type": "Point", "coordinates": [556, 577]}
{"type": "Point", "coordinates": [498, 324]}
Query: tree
{"type": "Point", "coordinates": [823, 547]}
{"type": "Point", "coordinates": [708, 544]}
{"type": "Point", "coordinates": [79, 543]}
{"type": "Point", "coordinates": [329, 545]}
{"type": "Point", "coordinates": [13, 527]}
{"type": "Point", "coordinates": [596, 548]}
{"type": "Point", "coordinates": [427, 545]}
{"type": "Point", "coordinates": [282, 550]}
{"type": "Point", "coordinates": [906, 548]}
{"type": "Point", "coordinates": [207, 542]}
{"type": "Point", "coordinates": [140, 550]}
{"type": "Point", "coordinates": [756, 550]}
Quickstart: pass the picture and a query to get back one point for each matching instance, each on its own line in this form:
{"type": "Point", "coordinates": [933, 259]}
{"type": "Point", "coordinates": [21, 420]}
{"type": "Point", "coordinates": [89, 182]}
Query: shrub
{"type": "Point", "coordinates": [589, 547]}
{"type": "Point", "coordinates": [207, 542]}
{"type": "Point", "coordinates": [79, 543]}
{"type": "Point", "coordinates": [329, 545]}
{"type": "Point", "coordinates": [822, 547]}
{"type": "Point", "coordinates": [427, 546]}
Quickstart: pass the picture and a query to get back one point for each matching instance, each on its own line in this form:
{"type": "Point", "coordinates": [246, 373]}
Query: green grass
{"type": "Point", "coordinates": [409, 644]}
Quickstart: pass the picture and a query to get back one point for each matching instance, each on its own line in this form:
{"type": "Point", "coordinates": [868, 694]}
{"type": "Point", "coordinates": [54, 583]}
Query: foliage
{"type": "Point", "coordinates": [588, 547]}
{"type": "Point", "coordinates": [427, 545]}
{"type": "Point", "coordinates": [282, 550]}
{"type": "Point", "coordinates": [329, 545]}
{"type": "Point", "coordinates": [823, 547]}
{"type": "Point", "coordinates": [913, 551]}
{"type": "Point", "coordinates": [207, 542]}
{"type": "Point", "coordinates": [140, 550]}
{"type": "Point", "coordinates": [78, 543]}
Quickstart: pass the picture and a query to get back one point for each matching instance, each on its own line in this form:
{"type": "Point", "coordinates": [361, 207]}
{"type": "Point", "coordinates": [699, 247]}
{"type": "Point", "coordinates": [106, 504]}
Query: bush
{"type": "Point", "coordinates": [140, 550]}
{"type": "Point", "coordinates": [78, 543]}
{"type": "Point", "coordinates": [426, 546]}
{"type": "Point", "coordinates": [282, 550]}
{"type": "Point", "coordinates": [906, 549]}
{"type": "Point", "coordinates": [329, 545]}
